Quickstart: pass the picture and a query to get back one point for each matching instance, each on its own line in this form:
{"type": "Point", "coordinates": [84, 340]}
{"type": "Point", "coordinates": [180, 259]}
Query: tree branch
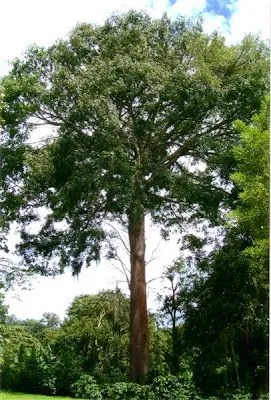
{"type": "Point", "coordinates": [184, 150]}
{"type": "Point", "coordinates": [120, 237]}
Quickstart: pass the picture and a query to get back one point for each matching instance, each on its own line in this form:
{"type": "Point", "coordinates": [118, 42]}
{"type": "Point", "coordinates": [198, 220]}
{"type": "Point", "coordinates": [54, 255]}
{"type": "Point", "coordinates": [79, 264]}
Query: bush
{"type": "Point", "coordinates": [67, 370]}
{"type": "Point", "coordinates": [165, 388]}
{"type": "Point", "coordinates": [37, 372]}
{"type": "Point", "coordinates": [86, 388]}
{"type": "Point", "coordinates": [124, 390]}
{"type": "Point", "coordinates": [30, 371]}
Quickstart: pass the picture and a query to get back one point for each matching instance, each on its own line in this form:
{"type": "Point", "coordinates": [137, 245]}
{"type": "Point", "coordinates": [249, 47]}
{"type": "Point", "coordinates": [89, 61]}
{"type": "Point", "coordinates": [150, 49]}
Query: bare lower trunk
{"type": "Point", "coordinates": [175, 358]}
{"type": "Point", "coordinates": [233, 357]}
{"type": "Point", "coordinates": [139, 349]}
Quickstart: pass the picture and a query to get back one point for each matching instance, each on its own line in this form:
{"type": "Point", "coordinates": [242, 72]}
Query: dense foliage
{"type": "Point", "coordinates": [227, 310]}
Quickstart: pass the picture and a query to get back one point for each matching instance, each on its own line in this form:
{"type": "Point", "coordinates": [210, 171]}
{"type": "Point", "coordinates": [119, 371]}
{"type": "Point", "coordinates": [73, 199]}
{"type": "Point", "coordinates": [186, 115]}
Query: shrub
{"type": "Point", "coordinates": [86, 388]}
{"type": "Point", "coordinates": [124, 390]}
{"type": "Point", "coordinates": [37, 372]}
{"type": "Point", "coordinates": [165, 388]}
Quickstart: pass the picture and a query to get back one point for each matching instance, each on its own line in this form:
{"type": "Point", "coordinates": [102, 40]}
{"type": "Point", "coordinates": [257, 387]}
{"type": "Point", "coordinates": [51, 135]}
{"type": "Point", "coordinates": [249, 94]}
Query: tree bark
{"type": "Point", "coordinates": [233, 357]}
{"type": "Point", "coordinates": [139, 346]}
{"type": "Point", "coordinates": [175, 358]}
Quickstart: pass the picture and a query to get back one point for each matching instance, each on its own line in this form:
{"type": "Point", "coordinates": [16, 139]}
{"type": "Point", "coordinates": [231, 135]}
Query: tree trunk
{"type": "Point", "coordinates": [175, 357]}
{"type": "Point", "coordinates": [139, 347]}
{"type": "Point", "coordinates": [233, 358]}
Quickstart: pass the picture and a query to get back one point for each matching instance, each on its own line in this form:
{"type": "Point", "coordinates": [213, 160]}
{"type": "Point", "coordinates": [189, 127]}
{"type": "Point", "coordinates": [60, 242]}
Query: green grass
{"type": "Point", "coordinates": [23, 396]}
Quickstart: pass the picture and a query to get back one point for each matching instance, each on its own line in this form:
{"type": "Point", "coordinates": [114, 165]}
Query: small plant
{"type": "Point", "coordinates": [86, 388]}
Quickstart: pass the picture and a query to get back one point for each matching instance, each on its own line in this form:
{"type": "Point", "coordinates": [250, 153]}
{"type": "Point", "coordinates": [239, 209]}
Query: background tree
{"type": "Point", "coordinates": [227, 310]}
{"type": "Point", "coordinates": [171, 310]}
{"type": "Point", "coordinates": [130, 102]}
{"type": "Point", "coordinates": [15, 341]}
{"type": "Point", "coordinates": [38, 328]}
{"type": "Point", "coordinates": [252, 216]}
{"type": "Point", "coordinates": [252, 178]}
{"type": "Point", "coordinates": [3, 309]}
{"type": "Point", "coordinates": [97, 328]}
{"type": "Point", "coordinates": [50, 320]}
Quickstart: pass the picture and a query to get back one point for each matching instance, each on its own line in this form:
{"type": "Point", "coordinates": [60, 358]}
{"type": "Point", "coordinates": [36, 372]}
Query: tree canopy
{"type": "Point", "coordinates": [128, 100]}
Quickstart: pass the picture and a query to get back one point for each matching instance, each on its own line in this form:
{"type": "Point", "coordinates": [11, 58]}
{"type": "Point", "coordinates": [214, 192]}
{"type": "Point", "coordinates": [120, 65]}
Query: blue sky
{"type": "Point", "coordinates": [220, 7]}
{"type": "Point", "coordinates": [216, 7]}
{"type": "Point", "coordinates": [233, 18]}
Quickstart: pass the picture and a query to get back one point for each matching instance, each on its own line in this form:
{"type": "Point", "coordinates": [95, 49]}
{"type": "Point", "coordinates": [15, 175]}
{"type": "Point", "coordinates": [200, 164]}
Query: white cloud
{"type": "Point", "coordinates": [27, 22]}
{"type": "Point", "coordinates": [214, 23]}
{"type": "Point", "coordinates": [251, 16]}
{"type": "Point", "coordinates": [247, 17]}
{"type": "Point", "coordinates": [56, 294]}
{"type": "Point", "coordinates": [158, 8]}
{"type": "Point", "coordinates": [187, 7]}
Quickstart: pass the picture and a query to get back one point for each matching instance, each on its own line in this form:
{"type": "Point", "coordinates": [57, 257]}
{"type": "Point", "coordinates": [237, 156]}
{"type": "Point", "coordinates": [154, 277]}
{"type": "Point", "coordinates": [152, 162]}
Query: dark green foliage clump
{"type": "Point", "coordinates": [86, 388]}
{"type": "Point", "coordinates": [26, 365]}
{"type": "Point", "coordinates": [125, 390]}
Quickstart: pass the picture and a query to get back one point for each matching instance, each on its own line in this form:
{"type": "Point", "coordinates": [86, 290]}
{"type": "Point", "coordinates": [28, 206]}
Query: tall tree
{"type": "Point", "coordinates": [130, 102]}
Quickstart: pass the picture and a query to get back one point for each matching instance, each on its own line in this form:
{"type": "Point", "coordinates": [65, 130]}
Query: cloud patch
{"type": "Point", "coordinates": [186, 8]}
{"type": "Point", "coordinates": [221, 7]}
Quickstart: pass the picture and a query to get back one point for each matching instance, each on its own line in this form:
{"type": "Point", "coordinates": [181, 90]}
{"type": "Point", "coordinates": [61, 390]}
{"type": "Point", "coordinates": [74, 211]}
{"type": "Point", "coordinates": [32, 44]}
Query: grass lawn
{"type": "Point", "coordinates": [23, 396]}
